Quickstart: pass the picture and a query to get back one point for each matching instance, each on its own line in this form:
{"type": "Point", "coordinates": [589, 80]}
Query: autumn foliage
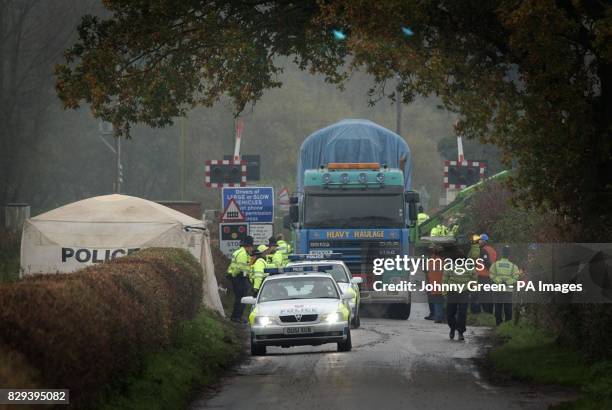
{"type": "Point", "coordinates": [81, 330]}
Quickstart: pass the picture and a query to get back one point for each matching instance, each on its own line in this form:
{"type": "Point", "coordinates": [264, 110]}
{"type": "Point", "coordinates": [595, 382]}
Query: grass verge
{"type": "Point", "coordinates": [167, 380]}
{"type": "Point", "coordinates": [480, 319]}
{"type": "Point", "coordinates": [530, 354]}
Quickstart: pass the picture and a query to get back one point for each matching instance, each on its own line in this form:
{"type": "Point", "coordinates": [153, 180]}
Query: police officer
{"type": "Point", "coordinates": [504, 272]}
{"type": "Point", "coordinates": [258, 273]}
{"type": "Point", "coordinates": [238, 271]}
{"type": "Point", "coordinates": [276, 257]}
{"type": "Point", "coordinates": [284, 247]}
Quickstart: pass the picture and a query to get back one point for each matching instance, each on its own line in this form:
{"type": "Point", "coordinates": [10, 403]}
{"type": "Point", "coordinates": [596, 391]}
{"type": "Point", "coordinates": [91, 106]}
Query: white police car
{"type": "Point", "coordinates": [299, 308]}
{"type": "Point", "coordinates": [343, 277]}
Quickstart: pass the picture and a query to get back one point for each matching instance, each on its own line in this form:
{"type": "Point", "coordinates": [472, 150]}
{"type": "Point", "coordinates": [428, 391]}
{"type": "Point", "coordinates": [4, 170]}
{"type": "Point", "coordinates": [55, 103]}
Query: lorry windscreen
{"type": "Point", "coordinates": [354, 211]}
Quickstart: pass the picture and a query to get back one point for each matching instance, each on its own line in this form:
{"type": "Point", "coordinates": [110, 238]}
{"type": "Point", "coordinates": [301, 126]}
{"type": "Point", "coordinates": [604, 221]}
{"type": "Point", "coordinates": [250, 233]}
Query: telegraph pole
{"type": "Point", "coordinates": [398, 108]}
{"type": "Point", "coordinates": [119, 166]}
{"type": "Point", "coordinates": [182, 155]}
{"type": "Point", "coordinates": [106, 129]}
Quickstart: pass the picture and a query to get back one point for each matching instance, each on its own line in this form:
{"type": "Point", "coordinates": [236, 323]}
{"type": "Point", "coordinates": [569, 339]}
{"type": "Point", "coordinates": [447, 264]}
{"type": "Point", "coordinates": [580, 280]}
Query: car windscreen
{"type": "Point", "coordinates": [298, 288]}
{"type": "Point", "coordinates": [337, 271]}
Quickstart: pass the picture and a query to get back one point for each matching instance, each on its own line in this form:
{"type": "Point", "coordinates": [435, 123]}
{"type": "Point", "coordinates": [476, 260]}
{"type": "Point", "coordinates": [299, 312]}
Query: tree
{"type": "Point", "coordinates": [152, 61]}
{"type": "Point", "coordinates": [534, 77]}
{"type": "Point", "coordinates": [31, 40]}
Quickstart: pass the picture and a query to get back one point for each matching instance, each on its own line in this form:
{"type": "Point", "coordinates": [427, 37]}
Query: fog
{"type": "Point", "coordinates": [50, 156]}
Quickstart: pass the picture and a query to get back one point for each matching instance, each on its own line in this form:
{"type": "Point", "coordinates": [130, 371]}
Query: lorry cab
{"type": "Point", "coordinates": [360, 210]}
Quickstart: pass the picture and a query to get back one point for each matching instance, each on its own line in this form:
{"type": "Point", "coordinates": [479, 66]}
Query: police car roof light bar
{"type": "Point", "coordinates": [315, 256]}
{"type": "Point", "coordinates": [298, 269]}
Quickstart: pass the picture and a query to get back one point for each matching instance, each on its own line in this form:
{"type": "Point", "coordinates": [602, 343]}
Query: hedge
{"type": "Point", "coordinates": [81, 330]}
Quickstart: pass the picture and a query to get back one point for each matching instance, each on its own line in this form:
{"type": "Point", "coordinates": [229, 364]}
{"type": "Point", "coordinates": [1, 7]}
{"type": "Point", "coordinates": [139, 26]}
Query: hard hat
{"type": "Point", "coordinates": [262, 248]}
{"type": "Point", "coordinates": [484, 237]}
{"type": "Point", "coordinates": [475, 238]}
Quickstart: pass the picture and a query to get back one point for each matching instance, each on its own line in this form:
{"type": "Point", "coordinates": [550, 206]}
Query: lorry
{"type": "Point", "coordinates": [353, 197]}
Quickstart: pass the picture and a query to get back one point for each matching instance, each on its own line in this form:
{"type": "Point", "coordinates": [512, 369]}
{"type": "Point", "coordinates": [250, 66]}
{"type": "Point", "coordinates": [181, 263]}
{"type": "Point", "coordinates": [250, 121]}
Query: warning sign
{"type": "Point", "coordinates": [261, 233]}
{"type": "Point", "coordinates": [230, 236]}
{"type": "Point", "coordinates": [256, 203]}
{"type": "Point", "coordinates": [232, 212]}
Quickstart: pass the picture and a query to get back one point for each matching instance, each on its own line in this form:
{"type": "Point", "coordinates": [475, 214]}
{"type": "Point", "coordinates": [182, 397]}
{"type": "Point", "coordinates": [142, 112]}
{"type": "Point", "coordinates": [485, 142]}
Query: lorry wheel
{"type": "Point", "coordinates": [257, 350]}
{"type": "Point", "coordinates": [399, 311]}
{"type": "Point", "coordinates": [346, 345]}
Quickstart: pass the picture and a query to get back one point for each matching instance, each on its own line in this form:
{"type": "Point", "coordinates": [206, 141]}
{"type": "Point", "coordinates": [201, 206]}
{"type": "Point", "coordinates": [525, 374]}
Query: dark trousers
{"type": "Point", "coordinates": [240, 284]}
{"type": "Point", "coordinates": [436, 307]}
{"type": "Point", "coordinates": [506, 309]}
{"type": "Point", "coordinates": [456, 310]}
{"type": "Point", "coordinates": [481, 301]}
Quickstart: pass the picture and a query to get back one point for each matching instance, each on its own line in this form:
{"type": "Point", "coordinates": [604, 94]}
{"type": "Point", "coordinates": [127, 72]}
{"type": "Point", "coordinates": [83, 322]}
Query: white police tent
{"type": "Point", "coordinates": [101, 228]}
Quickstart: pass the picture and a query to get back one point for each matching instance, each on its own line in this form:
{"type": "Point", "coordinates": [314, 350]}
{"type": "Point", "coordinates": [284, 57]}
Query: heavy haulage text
{"type": "Point", "coordinates": [406, 263]}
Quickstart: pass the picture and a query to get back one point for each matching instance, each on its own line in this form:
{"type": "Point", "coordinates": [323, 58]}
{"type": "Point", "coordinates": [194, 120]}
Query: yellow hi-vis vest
{"type": "Point", "coordinates": [422, 217]}
{"type": "Point", "coordinates": [439, 230]}
{"type": "Point", "coordinates": [458, 276]}
{"type": "Point", "coordinates": [284, 246]}
{"type": "Point", "coordinates": [279, 259]}
{"type": "Point", "coordinates": [257, 273]}
{"type": "Point", "coordinates": [504, 271]}
{"type": "Point", "coordinates": [240, 264]}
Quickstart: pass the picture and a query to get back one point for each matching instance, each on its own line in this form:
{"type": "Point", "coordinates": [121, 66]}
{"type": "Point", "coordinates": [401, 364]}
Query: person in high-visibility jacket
{"type": "Point", "coordinates": [257, 270]}
{"type": "Point", "coordinates": [284, 247]}
{"type": "Point", "coordinates": [238, 272]}
{"type": "Point", "coordinates": [504, 272]}
{"type": "Point", "coordinates": [474, 247]}
{"type": "Point", "coordinates": [457, 302]}
{"type": "Point", "coordinates": [452, 226]}
{"type": "Point", "coordinates": [488, 256]}
{"type": "Point", "coordinates": [276, 256]}
{"type": "Point", "coordinates": [439, 230]}
{"type": "Point", "coordinates": [477, 297]}
{"type": "Point", "coordinates": [421, 216]}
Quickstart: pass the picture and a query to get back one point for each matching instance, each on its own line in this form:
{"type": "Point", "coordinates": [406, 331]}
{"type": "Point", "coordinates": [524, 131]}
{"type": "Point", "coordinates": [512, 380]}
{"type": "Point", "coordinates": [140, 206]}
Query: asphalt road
{"type": "Point", "coordinates": [393, 365]}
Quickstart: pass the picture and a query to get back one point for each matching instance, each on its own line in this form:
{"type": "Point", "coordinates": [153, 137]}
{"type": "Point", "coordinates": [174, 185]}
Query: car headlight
{"type": "Point", "coordinates": [334, 317]}
{"type": "Point", "coordinates": [263, 320]}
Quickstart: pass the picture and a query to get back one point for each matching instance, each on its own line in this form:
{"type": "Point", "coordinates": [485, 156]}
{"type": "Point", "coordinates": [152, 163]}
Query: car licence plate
{"type": "Point", "coordinates": [297, 330]}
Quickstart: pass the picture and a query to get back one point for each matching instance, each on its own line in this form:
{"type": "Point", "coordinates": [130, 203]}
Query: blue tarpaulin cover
{"type": "Point", "coordinates": [354, 140]}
